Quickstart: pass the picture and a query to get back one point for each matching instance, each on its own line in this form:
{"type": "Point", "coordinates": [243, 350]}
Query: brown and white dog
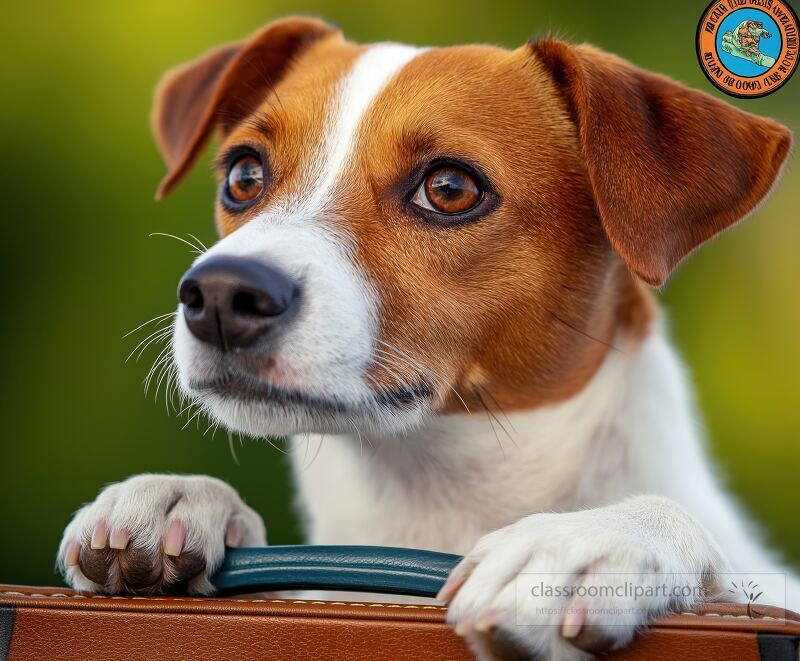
{"type": "Point", "coordinates": [433, 272]}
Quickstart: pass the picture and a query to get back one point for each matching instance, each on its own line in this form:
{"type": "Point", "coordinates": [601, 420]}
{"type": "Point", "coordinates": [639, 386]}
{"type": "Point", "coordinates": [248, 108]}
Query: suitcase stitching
{"type": "Point", "coordinates": [60, 595]}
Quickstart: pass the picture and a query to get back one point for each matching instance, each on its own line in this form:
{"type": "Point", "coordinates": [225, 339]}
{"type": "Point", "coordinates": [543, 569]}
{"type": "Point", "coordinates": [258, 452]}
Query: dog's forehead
{"type": "Point", "coordinates": [383, 86]}
{"type": "Point", "coordinates": [331, 60]}
{"type": "Point", "coordinates": [344, 106]}
{"type": "Point", "coordinates": [486, 105]}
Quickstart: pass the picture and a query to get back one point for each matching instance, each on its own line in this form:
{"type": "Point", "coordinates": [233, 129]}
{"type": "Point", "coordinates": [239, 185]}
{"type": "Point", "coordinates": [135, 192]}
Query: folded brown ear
{"type": "Point", "coordinates": [221, 88]}
{"type": "Point", "coordinates": [670, 167]}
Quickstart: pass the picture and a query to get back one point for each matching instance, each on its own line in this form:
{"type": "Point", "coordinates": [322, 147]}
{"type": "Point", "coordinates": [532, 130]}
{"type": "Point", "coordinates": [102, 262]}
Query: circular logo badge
{"type": "Point", "coordinates": [748, 48]}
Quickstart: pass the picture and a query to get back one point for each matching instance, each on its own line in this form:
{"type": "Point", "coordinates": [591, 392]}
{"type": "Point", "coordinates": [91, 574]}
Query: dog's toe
{"type": "Point", "coordinates": [96, 564]}
{"type": "Point", "coordinates": [135, 568]}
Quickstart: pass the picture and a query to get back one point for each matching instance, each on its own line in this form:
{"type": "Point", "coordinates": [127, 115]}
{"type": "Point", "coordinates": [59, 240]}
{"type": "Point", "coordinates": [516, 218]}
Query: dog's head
{"type": "Point", "coordinates": [408, 231]}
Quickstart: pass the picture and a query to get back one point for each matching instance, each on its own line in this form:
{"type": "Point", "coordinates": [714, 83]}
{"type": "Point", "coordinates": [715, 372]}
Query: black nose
{"type": "Point", "coordinates": [231, 302]}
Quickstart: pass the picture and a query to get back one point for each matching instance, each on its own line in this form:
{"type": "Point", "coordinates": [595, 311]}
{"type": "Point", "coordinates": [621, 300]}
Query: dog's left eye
{"type": "Point", "coordinates": [448, 190]}
{"type": "Point", "coordinates": [245, 179]}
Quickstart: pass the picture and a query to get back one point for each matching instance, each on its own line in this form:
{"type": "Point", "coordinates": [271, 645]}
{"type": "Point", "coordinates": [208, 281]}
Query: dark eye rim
{"type": "Point", "coordinates": [226, 162]}
{"type": "Point", "coordinates": [488, 201]}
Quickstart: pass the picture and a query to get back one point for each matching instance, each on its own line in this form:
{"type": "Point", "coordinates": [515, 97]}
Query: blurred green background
{"type": "Point", "coordinates": [78, 270]}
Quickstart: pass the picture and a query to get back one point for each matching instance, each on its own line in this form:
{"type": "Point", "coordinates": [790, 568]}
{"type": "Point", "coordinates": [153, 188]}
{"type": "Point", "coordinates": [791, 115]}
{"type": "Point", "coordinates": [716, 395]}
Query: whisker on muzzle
{"type": "Point", "coordinates": [409, 361]}
{"type": "Point", "coordinates": [159, 319]}
{"type": "Point", "coordinates": [195, 248]}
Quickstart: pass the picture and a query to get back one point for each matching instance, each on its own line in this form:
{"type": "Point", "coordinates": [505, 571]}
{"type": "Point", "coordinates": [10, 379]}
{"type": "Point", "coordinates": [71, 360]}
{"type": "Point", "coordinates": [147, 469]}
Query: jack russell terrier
{"type": "Point", "coordinates": [433, 270]}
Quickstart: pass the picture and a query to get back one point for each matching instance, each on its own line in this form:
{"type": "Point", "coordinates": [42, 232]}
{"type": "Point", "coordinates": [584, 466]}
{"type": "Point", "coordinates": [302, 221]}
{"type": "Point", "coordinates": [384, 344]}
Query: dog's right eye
{"type": "Point", "coordinates": [245, 179]}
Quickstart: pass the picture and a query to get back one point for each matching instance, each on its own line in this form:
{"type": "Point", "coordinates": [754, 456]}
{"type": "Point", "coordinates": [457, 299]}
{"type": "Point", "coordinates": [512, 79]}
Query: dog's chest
{"type": "Point", "coordinates": [440, 500]}
{"type": "Point", "coordinates": [353, 499]}
{"type": "Point", "coordinates": [462, 476]}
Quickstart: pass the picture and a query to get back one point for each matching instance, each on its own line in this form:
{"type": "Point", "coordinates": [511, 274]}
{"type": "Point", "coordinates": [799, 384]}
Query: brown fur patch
{"type": "Point", "coordinates": [516, 308]}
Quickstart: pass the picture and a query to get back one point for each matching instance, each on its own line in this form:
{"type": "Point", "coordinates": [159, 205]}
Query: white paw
{"type": "Point", "coordinates": [156, 533]}
{"type": "Point", "coordinates": [562, 586]}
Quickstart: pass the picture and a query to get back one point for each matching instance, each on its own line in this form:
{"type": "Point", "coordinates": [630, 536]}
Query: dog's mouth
{"type": "Point", "coordinates": [246, 388]}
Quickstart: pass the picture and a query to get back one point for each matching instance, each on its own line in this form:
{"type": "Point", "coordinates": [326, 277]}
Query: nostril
{"type": "Point", "coordinates": [256, 304]}
{"type": "Point", "coordinates": [192, 297]}
{"type": "Point", "coordinates": [244, 303]}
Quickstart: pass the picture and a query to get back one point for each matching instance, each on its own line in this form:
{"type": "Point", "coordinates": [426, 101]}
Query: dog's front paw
{"type": "Point", "coordinates": [565, 586]}
{"type": "Point", "coordinates": [156, 533]}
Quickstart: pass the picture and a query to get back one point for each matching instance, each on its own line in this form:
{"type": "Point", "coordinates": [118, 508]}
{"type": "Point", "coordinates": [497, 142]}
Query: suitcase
{"type": "Point", "coordinates": [55, 623]}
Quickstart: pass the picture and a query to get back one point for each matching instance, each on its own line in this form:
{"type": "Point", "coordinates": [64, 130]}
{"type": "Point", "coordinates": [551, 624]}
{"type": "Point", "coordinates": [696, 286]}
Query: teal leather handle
{"type": "Point", "coordinates": [349, 568]}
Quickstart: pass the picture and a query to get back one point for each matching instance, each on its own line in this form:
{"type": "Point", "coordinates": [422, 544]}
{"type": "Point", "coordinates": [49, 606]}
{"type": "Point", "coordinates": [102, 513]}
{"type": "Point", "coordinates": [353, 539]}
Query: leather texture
{"type": "Point", "coordinates": [351, 568]}
{"type": "Point", "coordinates": [54, 623]}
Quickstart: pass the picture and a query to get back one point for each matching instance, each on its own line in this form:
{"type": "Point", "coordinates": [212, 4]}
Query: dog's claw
{"type": "Point", "coordinates": [174, 539]}
{"type": "Point", "coordinates": [100, 536]}
{"type": "Point", "coordinates": [452, 584]}
{"type": "Point", "coordinates": [235, 533]}
{"type": "Point", "coordinates": [72, 554]}
{"type": "Point", "coordinates": [119, 538]}
{"type": "Point", "coordinates": [573, 621]}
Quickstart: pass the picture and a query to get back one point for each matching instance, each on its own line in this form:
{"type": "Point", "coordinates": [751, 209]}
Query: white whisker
{"type": "Point", "coordinates": [155, 336]}
{"type": "Point", "coordinates": [160, 318]}
{"type": "Point", "coordinates": [399, 353]}
{"type": "Point", "coordinates": [230, 447]}
{"type": "Point", "coordinates": [198, 241]}
{"type": "Point", "coordinates": [194, 248]}
{"type": "Point", "coordinates": [160, 359]}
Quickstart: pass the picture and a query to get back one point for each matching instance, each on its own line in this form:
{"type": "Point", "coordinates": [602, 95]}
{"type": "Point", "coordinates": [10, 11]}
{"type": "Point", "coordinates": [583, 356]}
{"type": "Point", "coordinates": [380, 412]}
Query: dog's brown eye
{"type": "Point", "coordinates": [245, 179]}
{"type": "Point", "coordinates": [448, 190]}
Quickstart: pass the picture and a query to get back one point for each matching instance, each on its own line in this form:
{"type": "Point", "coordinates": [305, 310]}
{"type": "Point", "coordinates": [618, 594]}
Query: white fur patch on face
{"type": "Point", "coordinates": [325, 353]}
{"type": "Point", "coordinates": [369, 76]}
{"type": "Point", "coordinates": [355, 93]}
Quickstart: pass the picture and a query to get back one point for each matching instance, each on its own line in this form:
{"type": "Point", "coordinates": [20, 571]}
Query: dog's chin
{"type": "Point", "coordinates": [258, 408]}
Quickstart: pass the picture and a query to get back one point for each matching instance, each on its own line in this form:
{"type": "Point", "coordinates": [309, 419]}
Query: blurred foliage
{"type": "Point", "coordinates": [78, 269]}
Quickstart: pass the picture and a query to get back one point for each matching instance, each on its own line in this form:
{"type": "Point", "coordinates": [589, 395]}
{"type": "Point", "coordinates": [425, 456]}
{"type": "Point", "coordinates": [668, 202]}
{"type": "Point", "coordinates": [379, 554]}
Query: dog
{"type": "Point", "coordinates": [434, 274]}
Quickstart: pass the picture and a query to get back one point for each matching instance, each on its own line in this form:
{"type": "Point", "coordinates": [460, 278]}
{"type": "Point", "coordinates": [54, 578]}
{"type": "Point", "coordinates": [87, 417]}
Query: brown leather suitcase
{"type": "Point", "coordinates": [55, 623]}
